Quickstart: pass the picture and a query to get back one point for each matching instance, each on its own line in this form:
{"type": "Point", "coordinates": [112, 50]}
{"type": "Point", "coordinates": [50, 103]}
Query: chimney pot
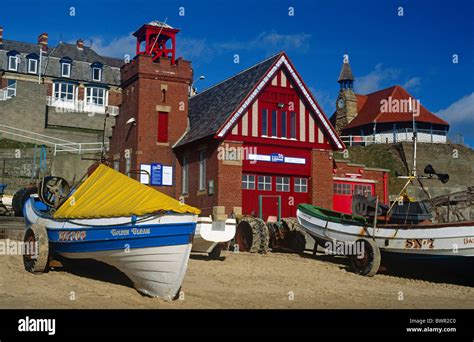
{"type": "Point", "coordinates": [1, 35]}
{"type": "Point", "coordinates": [43, 41]}
{"type": "Point", "coordinates": [80, 44]}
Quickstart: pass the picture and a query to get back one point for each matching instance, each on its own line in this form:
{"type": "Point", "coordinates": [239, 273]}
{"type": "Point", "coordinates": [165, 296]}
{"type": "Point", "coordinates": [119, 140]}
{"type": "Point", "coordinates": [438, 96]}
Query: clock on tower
{"type": "Point", "coordinates": [346, 103]}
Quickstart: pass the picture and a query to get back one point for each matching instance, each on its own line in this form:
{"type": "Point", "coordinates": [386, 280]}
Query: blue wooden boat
{"type": "Point", "coordinates": [142, 232]}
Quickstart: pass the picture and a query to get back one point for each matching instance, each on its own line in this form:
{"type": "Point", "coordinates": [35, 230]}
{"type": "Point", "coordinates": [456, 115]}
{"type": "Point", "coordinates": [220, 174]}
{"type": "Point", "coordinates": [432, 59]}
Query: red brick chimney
{"type": "Point", "coordinates": [80, 44]}
{"type": "Point", "coordinates": [1, 35]}
{"type": "Point", "coordinates": [43, 41]}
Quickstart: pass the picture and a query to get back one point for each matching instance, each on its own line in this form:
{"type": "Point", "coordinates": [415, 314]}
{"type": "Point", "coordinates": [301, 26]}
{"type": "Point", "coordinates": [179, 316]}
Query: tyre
{"type": "Point", "coordinates": [36, 238]}
{"type": "Point", "coordinates": [297, 241]}
{"type": "Point", "coordinates": [296, 236]}
{"type": "Point", "coordinates": [252, 235]}
{"type": "Point", "coordinates": [216, 252]}
{"type": "Point", "coordinates": [290, 223]}
{"type": "Point", "coordinates": [369, 263]}
{"type": "Point", "coordinates": [19, 199]}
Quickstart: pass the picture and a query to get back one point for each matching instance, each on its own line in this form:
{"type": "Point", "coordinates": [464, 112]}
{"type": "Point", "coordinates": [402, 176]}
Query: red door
{"type": "Point", "coordinates": [343, 192]}
{"type": "Point", "coordinates": [270, 206]}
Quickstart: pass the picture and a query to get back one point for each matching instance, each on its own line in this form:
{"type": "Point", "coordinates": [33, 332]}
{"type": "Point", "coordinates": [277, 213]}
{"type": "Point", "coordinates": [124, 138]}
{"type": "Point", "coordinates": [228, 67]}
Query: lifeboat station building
{"type": "Point", "coordinates": [256, 143]}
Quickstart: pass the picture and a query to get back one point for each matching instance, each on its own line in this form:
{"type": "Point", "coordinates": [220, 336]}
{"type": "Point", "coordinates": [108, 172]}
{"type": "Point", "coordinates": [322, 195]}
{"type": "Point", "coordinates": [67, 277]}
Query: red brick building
{"type": "Point", "coordinates": [257, 142]}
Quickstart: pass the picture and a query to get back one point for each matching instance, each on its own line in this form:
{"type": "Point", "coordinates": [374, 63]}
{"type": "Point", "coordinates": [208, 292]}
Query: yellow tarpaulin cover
{"type": "Point", "coordinates": [109, 193]}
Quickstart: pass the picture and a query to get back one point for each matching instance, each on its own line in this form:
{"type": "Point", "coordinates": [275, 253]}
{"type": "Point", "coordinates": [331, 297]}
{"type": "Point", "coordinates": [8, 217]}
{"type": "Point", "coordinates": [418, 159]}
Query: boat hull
{"type": "Point", "coordinates": [152, 251]}
{"type": "Point", "coordinates": [208, 235]}
{"type": "Point", "coordinates": [429, 240]}
{"type": "Point", "coordinates": [154, 271]}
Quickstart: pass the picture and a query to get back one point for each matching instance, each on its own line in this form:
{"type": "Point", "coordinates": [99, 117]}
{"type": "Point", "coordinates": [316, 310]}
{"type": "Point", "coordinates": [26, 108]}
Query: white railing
{"type": "Point", "coordinates": [423, 135]}
{"type": "Point", "coordinates": [58, 145]}
{"type": "Point", "coordinates": [65, 105]}
{"type": "Point", "coordinates": [4, 94]}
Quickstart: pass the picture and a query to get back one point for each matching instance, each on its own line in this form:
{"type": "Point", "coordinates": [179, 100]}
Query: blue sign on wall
{"type": "Point", "coordinates": [277, 158]}
{"type": "Point", "coordinates": [156, 174]}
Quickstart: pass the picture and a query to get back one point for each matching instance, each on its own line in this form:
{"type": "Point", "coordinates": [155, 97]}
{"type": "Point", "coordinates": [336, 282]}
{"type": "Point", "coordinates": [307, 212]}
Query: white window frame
{"type": "Point", "coordinates": [202, 170]}
{"type": "Point", "coordinates": [32, 61]}
{"type": "Point", "coordinates": [283, 184]}
{"type": "Point", "coordinates": [64, 74]}
{"type": "Point", "coordinates": [248, 182]}
{"type": "Point", "coordinates": [300, 184]}
{"type": "Point", "coordinates": [92, 99]}
{"type": "Point", "coordinates": [100, 74]}
{"type": "Point", "coordinates": [58, 91]}
{"type": "Point", "coordinates": [15, 58]}
{"type": "Point", "coordinates": [185, 176]}
{"type": "Point", "coordinates": [11, 88]}
{"type": "Point", "coordinates": [264, 181]}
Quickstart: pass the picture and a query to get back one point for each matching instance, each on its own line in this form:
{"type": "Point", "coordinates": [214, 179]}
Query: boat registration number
{"type": "Point", "coordinates": [419, 243]}
{"type": "Point", "coordinates": [79, 235]}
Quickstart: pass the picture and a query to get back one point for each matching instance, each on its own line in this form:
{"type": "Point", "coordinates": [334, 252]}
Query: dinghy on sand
{"type": "Point", "coordinates": [115, 219]}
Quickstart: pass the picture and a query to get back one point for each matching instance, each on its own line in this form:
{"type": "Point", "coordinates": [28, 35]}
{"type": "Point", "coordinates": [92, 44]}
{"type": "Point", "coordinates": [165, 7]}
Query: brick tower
{"type": "Point", "coordinates": [346, 103]}
{"type": "Point", "coordinates": [154, 111]}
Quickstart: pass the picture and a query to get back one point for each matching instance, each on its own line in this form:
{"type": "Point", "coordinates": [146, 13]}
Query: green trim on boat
{"type": "Point", "coordinates": [331, 215]}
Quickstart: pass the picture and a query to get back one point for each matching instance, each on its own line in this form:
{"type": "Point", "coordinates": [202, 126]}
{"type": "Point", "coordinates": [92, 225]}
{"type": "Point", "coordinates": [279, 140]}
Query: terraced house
{"type": "Point", "coordinates": [57, 95]}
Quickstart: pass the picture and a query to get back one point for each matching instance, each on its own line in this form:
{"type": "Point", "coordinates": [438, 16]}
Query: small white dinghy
{"type": "Point", "coordinates": [210, 236]}
{"type": "Point", "coordinates": [452, 239]}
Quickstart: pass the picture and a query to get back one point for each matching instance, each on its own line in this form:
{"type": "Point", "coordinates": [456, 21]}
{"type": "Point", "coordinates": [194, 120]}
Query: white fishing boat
{"type": "Point", "coordinates": [452, 239]}
{"type": "Point", "coordinates": [399, 229]}
{"type": "Point", "coordinates": [116, 220]}
{"type": "Point", "coordinates": [210, 236]}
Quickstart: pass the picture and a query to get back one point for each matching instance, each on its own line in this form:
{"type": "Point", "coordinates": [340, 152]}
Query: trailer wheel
{"type": "Point", "coordinates": [36, 238]}
{"type": "Point", "coordinates": [216, 252]}
{"type": "Point", "coordinates": [369, 263]}
{"type": "Point", "coordinates": [19, 199]}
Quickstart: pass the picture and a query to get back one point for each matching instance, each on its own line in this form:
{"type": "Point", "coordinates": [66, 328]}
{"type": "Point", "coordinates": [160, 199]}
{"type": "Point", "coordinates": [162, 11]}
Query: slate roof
{"type": "Point", "coordinates": [346, 73]}
{"type": "Point", "coordinates": [369, 109]}
{"type": "Point", "coordinates": [82, 59]}
{"type": "Point", "coordinates": [210, 109]}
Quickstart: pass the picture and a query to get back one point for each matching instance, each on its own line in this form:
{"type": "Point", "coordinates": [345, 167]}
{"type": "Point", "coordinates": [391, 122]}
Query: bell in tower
{"type": "Point", "coordinates": [158, 40]}
{"type": "Point", "coordinates": [346, 103]}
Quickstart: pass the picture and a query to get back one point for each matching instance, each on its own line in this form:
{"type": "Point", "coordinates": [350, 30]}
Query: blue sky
{"type": "Point", "coordinates": [414, 50]}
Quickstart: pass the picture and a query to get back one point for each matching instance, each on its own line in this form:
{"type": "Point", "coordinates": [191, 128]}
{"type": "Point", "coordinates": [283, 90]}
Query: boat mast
{"type": "Point", "coordinates": [414, 137]}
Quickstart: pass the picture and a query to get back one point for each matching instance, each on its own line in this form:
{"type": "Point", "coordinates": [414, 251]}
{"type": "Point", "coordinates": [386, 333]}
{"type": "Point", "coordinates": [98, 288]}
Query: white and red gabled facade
{"type": "Point", "coordinates": [257, 143]}
{"type": "Point", "coordinates": [286, 144]}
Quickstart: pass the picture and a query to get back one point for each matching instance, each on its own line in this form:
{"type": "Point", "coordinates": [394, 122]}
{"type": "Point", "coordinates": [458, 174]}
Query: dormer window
{"type": "Point", "coordinates": [32, 63]}
{"type": "Point", "coordinates": [13, 60]}
{"type": "Point", "coordinates": [66, 67]}
{"type": "Point", "coordinates": [97, 72]}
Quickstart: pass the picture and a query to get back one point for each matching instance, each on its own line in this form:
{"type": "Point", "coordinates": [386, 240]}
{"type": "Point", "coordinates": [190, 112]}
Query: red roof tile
{"type": "Point", "coordinates": [369, 109]}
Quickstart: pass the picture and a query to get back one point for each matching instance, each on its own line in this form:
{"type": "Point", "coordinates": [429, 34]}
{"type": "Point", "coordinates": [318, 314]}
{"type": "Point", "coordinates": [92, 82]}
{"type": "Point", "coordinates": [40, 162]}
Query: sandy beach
{"type": "Point", "coordinates": [243, 280]}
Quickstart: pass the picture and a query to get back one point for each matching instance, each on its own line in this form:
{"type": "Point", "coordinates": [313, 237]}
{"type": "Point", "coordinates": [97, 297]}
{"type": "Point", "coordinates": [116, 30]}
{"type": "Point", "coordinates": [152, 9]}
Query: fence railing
{"type": "Point", "coordinates": [4, 94]}
{"type": "Point", "coordinates": [58, 145]}
{"type": "Point", "coordinates": [66, 105]}
{"type": "Point", "coordinates": [400, 135]}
